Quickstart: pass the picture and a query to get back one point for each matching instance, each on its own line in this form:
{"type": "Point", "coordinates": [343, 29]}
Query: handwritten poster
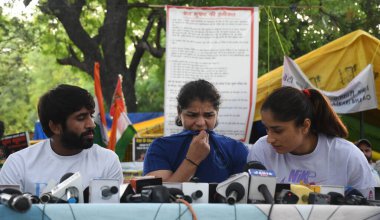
{"type": "Point", "coordinates": [220, 45]}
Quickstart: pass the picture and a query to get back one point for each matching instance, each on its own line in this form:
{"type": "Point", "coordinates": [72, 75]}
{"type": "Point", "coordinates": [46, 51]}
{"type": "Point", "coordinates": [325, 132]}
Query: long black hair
{"type": "Point", "coordinates": [288, 103]}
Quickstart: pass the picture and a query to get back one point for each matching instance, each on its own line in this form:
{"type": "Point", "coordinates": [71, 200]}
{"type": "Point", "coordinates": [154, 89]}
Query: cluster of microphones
{"type": "Point", "coordinates": [255, 185]}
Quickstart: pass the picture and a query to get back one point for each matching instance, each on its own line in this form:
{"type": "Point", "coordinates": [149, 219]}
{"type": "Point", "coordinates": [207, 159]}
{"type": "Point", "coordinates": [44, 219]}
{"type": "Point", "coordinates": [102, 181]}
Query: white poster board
{"type": "Point", "coordinates": [220, 45]}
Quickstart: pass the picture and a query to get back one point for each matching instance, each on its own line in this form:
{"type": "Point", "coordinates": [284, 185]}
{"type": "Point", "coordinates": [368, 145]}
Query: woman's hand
{"type": "Point", "coordinates": [199, 147]}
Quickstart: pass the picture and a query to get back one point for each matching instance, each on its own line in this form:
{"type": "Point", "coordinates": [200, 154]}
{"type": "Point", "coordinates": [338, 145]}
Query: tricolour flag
{"type": "Point", "coordinates": [122, 131]}
{"type": "Point", "coordinates": [101, 136]}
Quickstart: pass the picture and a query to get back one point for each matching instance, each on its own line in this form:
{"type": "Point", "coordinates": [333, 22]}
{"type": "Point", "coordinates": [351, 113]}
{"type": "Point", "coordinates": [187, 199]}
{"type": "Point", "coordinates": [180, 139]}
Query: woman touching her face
{"type": "Point", "coordinates": [197, 151]}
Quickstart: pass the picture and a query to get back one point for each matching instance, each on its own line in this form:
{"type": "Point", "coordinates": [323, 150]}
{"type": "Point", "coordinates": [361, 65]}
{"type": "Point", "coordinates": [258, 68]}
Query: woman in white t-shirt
{"type": "Point", "coordinates": [305, 142]}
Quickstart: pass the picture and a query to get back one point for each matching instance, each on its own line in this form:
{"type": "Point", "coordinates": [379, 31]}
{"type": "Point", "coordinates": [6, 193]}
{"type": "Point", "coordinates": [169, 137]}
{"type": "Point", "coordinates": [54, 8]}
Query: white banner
{"type": "Point", "coordinates": [220, 45]}
{"type": "Point", "coordinates": [359, 95]}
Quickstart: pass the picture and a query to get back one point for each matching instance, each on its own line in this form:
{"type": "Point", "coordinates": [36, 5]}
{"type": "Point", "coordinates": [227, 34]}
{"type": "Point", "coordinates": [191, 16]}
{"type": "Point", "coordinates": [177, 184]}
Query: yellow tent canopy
{"type": "Point", "coordinates": [150, 128]}
{"type": "Point", "coordinates": [330, 68]}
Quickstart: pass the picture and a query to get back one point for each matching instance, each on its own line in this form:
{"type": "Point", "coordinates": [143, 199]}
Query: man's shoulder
{"type": "Point", "coordinates": [35, 148]}
{"type": "Point", "coordinates": [99, 150]}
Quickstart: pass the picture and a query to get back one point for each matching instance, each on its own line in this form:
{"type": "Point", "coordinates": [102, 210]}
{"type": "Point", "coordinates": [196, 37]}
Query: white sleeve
{"type": "Point", "coordinates": [12, 173]}
{"type": "Point", "coordinates": [256, 152]}
{"type": "Point", "coordinates": [359, 173]}
{"type": "Point", "coordinates": [114, 170]}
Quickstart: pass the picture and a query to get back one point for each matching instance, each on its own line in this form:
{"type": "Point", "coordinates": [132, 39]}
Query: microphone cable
{"type": "Point", "coordinates": [44, 208]}
{"type": "Point", "coordinates": [270, 209]}
{"type": "Point", "coordinates": [158, 210]}
{"type": "Point", "coordinates": [189, 207]}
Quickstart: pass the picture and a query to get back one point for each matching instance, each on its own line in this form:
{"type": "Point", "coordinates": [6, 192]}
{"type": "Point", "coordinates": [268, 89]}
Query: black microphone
{"type": "Point", "coordinates": [65, 177]}
{"type": "Point", "coordinates": [254, 165]}
{"type": "Point", "coordinates": [197, 194]}
{"type": "Point", "coordinates": [336, 198]}
{"type": "Point", "coordinates": [15, 201]}
{"type": "Point", "coordinates": [49, 198]}
{"type": "Point", "coordinates": [34, 199]}
{"type": "Point", "coordinates": [234, 192]}
{"type": "Point", "coordinates": [155, 194]}
{"type": "Point", "coordinates": [262, 183]}
{"type": "Point", "coordinates": [353, 196]}
{"type": "Point", "coordinates": [214, 196]}
{"type": "Point", "coordinates": [109, 191]}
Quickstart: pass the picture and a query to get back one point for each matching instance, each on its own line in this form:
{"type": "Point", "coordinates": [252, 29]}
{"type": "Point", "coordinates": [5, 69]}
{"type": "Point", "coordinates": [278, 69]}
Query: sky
{"type": "Point", "coordinates": [18, 8]}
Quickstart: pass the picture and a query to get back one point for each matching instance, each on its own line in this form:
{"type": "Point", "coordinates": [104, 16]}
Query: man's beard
{"type": "Point", "coordinates": [70, 140]}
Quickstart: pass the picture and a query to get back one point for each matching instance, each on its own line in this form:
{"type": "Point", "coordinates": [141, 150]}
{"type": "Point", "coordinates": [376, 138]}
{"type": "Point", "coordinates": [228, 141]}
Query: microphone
{"type": "Point", "coordinates": [235, 188]}
{"type": "Point", "coordinates": [336, 198]}
{"type": "Point", "coordinates": [72, 193]}
{"type": "Point", "coordinates": [262, 183]}
{"type": "Point", "coordinates": [49, 198]}
{"type": "Point", "coordinates": [69, 188]}
{"type": "Point", "coordinates": [155, 194]}
{"type": "Point", "coordinates": [109, 191]}
{"type": "Point", "coordinates": [197, 191]}
{"type": "Point", "coordinates": [176, 193]}
{"type": "Point", "coordinates": [104, 191]}
{"type": "Point", "coordinates": [235, 192]}
{"type": "Point", "coordinates": [126, 191]}
{"type": "Point", "coordinates": [302, 192]}
{"type": "Point", "coordinates": [138, 183]}
{"type": "Point", "coordinates": [214, 196]}
{"type": "Point", "coordinates": [34, 199]}
{"type": "Point", "coordinates": [286, 197]}
{"type": "Point", "coordinates": [353, 196]}
{"type": "Point", "coordinates": [254, 165]}
{"type": "Point", "coordinates": [15, 201]}
{"type": "Point", "coordinates": [318, 198]}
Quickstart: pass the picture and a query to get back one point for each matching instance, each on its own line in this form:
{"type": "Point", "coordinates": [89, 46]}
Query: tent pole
{"type": "Point", "coordinates": [361, 125]}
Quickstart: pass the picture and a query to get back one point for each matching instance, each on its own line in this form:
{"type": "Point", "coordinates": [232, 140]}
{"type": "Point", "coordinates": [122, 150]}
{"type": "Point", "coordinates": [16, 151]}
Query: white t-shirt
{"type": "Point", "coordinates": [335, 161]}
{"type": "Point", "coordinates": [375, 174]}
{"type": "Point", "coordinates": [34, 167]}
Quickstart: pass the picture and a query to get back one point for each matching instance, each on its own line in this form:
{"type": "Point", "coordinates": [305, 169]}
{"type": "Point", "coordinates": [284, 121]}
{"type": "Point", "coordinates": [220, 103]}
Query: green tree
{"type": "Point", "coordinates": [86, 32]}
{"type": "Point", "coordinates": [114, 30]}
{"type": "Point", "coordinates": [26, 73]}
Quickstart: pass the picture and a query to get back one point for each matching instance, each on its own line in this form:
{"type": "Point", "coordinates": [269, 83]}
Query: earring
{"type": "Point", "coordinates": [178, 121]}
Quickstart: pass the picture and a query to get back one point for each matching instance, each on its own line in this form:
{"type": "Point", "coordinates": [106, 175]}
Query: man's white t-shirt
{"type": "Point", "coordinates": [335, 161]}
{"type": "Point", "coordinates": [34, 167]}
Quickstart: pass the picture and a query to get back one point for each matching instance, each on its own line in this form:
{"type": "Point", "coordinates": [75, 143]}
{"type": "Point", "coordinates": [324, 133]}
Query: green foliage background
{"type": "Point", "coordinates": [28, 48]}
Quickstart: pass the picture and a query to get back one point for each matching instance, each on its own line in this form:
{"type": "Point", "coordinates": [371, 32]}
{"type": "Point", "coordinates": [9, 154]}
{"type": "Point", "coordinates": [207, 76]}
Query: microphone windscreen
{"type": "Point", "coordinates": [236, 189]}
{"type": "Point", "coordinates": [175, 192]}
{"type": "Point", "coordinates": [254, 165]}
{"type": "Point", "coordinates": [352, 191]}
{"type": "Point", "coordinates": [11, 191]}
{"type": "Point", "coordinates": [65, 177]}
{"type": "Point", "coordinates": [336, 198]}
{"type": "Point", "coordinates": [20, 203]}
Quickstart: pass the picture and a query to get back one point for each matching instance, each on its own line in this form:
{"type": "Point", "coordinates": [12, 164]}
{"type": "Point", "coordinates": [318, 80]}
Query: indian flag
{"type": "Point", "coordinates": [100, 136]}
{"type": "Point", "coordinates": [122, 131]}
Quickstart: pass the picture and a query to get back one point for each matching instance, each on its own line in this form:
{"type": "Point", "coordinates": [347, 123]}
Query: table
{"type": "Point", "coordinates": [172, 211]}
